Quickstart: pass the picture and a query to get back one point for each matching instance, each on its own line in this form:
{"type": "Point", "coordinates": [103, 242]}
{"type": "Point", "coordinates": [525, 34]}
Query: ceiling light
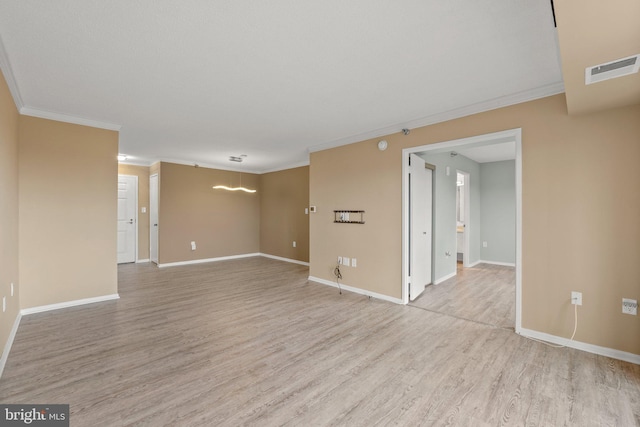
{"type": "Point", "coordinates": [224, 187]}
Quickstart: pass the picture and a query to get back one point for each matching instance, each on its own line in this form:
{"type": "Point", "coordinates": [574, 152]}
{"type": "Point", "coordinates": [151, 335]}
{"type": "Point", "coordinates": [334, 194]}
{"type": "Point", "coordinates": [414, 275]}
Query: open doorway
{"type": "Point", "coordinates": [463, 216]}
{"type": "Point", "coordinates": [449, 157]}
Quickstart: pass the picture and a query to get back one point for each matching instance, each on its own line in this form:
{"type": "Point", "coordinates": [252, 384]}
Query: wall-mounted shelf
{"type": "Point", "coordinates": [348, 217]}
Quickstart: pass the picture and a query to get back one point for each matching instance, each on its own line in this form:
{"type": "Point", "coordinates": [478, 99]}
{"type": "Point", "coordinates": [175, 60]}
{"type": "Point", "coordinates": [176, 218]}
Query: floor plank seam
{"type": "Point", "coordinates": [506, 328]}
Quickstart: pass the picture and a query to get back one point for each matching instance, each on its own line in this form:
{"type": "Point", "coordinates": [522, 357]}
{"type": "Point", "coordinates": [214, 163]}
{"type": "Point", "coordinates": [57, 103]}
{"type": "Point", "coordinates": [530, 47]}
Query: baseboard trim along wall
{"type": "Point", "coordinates": [356, 290]}
{"type": "Point", "coordinates": [230, 257]}
{"type": "Point", "coordinates": [442, 279]}
{"type": "Point", "coordinates": [58, 306]}
{"type": "Point", "coordinates": [201, 261]}
{"type": "Point", "coordinates": [9, 343]}
{"type": "Point", "coordinates": [578, 345]}
{"type": "Point", "coordinates": [505, 264]}
{"type": "Point", "coordinates": [279, 258]}
{"type": "Point", "coordinates": [140, 261]}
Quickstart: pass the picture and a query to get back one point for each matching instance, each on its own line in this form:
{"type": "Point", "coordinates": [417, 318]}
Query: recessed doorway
{"type": "Point", "coordinates": [444, 249]}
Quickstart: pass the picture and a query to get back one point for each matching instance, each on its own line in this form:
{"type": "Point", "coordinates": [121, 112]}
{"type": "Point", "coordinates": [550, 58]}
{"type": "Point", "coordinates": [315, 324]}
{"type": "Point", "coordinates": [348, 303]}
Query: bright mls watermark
{"type": "Point", "coordinates": [34, 415]}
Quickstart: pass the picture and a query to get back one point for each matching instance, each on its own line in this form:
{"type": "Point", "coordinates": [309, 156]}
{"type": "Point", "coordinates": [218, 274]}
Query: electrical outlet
{"type": "Point", "coordinates": [576, 298]}
{"type": "Point", "coordinates": [484, 244]}
{"type": "Point", "coordinates": [346, 261]}
{"type": "Point", "coordinates": [353, 262]}
{"type": "Point", "coordinates": [193, 246]}
{"type": "Point", "coordinates": [294, 243]}
{"type": "Point", "coordinates": [630, 306]}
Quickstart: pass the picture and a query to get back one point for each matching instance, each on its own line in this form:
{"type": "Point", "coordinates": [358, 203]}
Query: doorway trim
{"type": "Point", "coordinates": [467, 218]}
{"type": "Point", "coordinates": [514, 135]}
{"type": "Point", "coordinates": [154, 207]}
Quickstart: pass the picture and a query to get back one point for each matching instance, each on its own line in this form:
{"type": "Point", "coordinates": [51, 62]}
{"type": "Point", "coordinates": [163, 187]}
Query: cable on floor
{"type": "Point", "coordinates": [575, 328]}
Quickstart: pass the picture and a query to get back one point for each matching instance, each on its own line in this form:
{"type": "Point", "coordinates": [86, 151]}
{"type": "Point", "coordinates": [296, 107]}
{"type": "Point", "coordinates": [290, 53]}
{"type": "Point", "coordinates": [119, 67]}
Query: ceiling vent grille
{"type": "Point", "coordinates": [235, 159]}
{"type": "Point", "coordinates": [611, 70]}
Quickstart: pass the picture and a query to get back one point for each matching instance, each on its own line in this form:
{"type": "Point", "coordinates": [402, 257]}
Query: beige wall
{"type": "Point", "coordinates": [142, 172]}
{"type": "Point", "coordinates": [67, 192]}
{"type": "Point", "coordinates": [283, 198]}
{"type": "Point", "coordinates": [580, 214]}
{"type": "Point", "coordinates": [8, 211]}
{"type": "Point", "coordinates": [222, 223]}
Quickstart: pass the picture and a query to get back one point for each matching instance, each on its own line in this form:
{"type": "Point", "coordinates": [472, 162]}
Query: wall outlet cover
{"type": "Point", "coordinates": [630, 306]}
{"type": "Point", "coordinates": [576, 298]}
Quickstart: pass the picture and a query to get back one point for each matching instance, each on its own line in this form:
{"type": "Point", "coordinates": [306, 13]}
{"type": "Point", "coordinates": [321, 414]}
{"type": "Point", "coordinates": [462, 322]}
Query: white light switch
{"type": "Point", "coordinates": [306, 211]}
{"type": "Point", "coordinates": [193, 246]}
{"type": "Point", "coordinates": [143, 210]}
{"type": "Point", "coordinates": [294, 243]}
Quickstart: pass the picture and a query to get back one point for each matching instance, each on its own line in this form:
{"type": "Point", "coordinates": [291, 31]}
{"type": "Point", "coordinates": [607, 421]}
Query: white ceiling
{"type": "Point", "coordinates": [490, 153]}
{"type": "Point", "coordinates": [198, 81]}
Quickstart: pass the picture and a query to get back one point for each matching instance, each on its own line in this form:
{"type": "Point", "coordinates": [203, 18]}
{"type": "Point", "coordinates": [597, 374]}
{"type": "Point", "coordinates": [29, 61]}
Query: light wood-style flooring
{"type": "Point", "coordinates": [485, 293]}
{"type": "Point", "coordinates": [252, 342]}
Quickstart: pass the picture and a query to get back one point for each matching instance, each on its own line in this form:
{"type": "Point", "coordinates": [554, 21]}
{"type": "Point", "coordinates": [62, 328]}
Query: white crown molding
{"type": "Point", "coordinates": [9, 343]}
{"type": "Point", "coordinates": [279, 258]}
{"type": "Point", "coordinates": [481, 107]}
{"type": "Point", "coordinates": [578, 345]}
{"type": "Point", "coordinates": [43, 114]}
{"type": "Point", "coordinates": [7, 71]}
{"type": "Point", "coordinates": [207, 165]}
{"type": "Point", "coordinates": [286, 167]}
{"type": "Point", "coordinates": [135, 163]}
{"type": "Point", "coordinates": [357, 290]}
{"type": "Point", "coordinates": [67, 304]}
{"type": "Point", "coordinates": [230, 169]}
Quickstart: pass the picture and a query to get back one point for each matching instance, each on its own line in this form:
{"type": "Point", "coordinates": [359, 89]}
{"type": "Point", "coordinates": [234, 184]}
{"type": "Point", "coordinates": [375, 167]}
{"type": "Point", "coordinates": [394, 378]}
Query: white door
{"type": "Point", "coordinates": [420, 199]}
{"type": "Point", "coordinates": [127, 208]}
{"type": "Point", "coordinates": [153, 218]}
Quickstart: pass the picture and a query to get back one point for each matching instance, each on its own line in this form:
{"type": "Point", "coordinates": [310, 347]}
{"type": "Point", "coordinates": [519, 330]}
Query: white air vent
{"type": "Point", "coordinates": [611, 70]}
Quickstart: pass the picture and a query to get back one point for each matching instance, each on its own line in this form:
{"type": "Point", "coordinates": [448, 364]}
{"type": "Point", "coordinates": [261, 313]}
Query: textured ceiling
{"type": "Point", "coordinates": [199, 81]}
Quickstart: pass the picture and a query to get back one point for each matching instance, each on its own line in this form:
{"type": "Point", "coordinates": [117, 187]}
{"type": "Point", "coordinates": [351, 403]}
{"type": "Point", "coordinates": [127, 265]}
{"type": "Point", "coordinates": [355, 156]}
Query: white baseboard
{"type": "Point", "coordinates": [200, 261]}
{"type": "Point", "coordinates": [279, 258]}
{"type": "Point", "coordinates": [9, 343]}
{"type": "Point", "coordinates": [357, 290]}
{"type": "Point", "coordinates": [589, 348]}
{"type": "Point", "coordinates": [474, 264]}
{"type": "Point", "coordinates": [506, 264]}
{"type": "Point", "coordinates": [140, 261]}
{"type": "Point", "coordinates": [442, 279]}
{"type": "Point", "coordinates": [66, 304]}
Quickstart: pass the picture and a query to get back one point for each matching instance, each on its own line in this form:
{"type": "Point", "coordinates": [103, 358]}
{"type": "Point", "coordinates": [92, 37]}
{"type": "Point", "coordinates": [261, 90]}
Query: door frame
{"type": "Point", "coordinates": [511, 135]}
{"type": "Point", "coordinates": [467, 218]}
{"type": "Point", "coordinates": [135, 218]}
{"type": "Point", "coordinates": [157, 213]}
